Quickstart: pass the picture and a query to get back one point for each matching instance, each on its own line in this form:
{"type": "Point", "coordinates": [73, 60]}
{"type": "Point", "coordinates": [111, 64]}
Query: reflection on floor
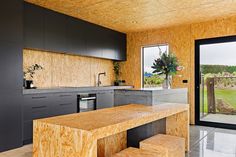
{"type": "Point", "coordinates": [204, 142]}
{"type": "Point", "coordinates": [220, 118]}
{"type": "Point", "coordinates": [212, 142]}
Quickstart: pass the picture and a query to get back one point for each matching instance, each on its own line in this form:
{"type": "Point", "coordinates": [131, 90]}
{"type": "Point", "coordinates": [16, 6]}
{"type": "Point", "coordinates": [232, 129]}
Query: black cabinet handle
{"type": "Point", "coordinates": [38, 107]}
{"type": "Point", "coordinates": [39, 97]}
{"type": "Point", "coordinates": [65, 104]}
{"type": "Point", "coordinates": [65, 95]}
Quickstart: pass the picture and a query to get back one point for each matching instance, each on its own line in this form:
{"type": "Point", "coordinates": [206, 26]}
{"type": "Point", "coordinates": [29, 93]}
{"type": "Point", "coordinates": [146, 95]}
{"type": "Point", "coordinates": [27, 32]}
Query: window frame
{"type": "Point", "coordinates": [197, 44]}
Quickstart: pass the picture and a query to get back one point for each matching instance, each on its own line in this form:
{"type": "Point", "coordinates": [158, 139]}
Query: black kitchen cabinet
{"type": "Point", "coordinates": [11, 20]}
{"type": "Point", "coordinates": [10, 119]}
{"type": "Point", "coordinates": [38, 106]}
{"type": "Point", "coordinates": [34, 107]}
{"type": "Point", "coordinates": [66, 103]}
{"type": "Point", "coordinates": [121, 47]}
{"type": "Point", "coordinates": [27, 131]}
{"type": "Point", "coordinates": [11, 80]}
{"type": "Point", "coordinates": [55, 31]}
{"type": "Point", "coordinates": [94, 40]}
{"type": "Point", "coordinates": [34, 26]}
{"type": "Point", "coordinates": [61, 33]}
{"type": "Point", "coordinates": [11, 66]}
{"type": "Point", "coordinates": [75, 37]}
{"type": "Point", "coordinates": [105, 99]}
{"type": "Point", "coordinates": [108, 44]}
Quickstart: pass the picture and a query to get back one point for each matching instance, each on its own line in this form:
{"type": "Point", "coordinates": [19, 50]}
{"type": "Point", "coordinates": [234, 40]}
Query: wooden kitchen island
{"type": "Point", "coordinates": [103, 132]}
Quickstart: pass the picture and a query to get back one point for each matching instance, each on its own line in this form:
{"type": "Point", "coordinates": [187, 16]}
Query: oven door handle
{"type": "Point", "coordinates": [88, 98]}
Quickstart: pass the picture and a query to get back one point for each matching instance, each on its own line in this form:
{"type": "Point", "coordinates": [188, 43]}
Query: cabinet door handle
{"type": "Point", "coordinates": [38, 107]}
{"type": "Point", "coordinates": [39, 97]}
{"type": "Point", "coordinates": [65, 104]}
{"type": "Point", "coordinates": [65, 95]}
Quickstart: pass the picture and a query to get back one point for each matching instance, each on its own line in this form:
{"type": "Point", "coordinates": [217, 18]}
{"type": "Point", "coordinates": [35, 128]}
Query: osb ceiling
{"type": "Point", "coordinates": [139, 15]}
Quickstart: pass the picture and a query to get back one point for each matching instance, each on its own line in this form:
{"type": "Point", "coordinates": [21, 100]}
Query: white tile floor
{"type": "Point", "coordinates": [212, 142]}
{"type": "Point", "coordinates": [204, 142]}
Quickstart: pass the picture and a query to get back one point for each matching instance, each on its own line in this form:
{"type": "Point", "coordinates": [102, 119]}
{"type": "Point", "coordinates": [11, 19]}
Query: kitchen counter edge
{"type": "Point", "coordinates": [72, 89]}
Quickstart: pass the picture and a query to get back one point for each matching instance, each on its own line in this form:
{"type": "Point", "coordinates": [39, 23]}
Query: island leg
{"type": "Point", "coordinates": [178, 125]}
{"type": "Point", "coordinates": [111, 145]}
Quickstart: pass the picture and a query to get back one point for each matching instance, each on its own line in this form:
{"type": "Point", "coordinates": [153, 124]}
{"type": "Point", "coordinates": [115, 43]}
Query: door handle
{"type": "Point", "coordinates": [39, 97]}
{"type": "Point", "coordinates": [65, 95]}
{"type": "Point", "coordinates": [38, 107]}
{"type": "Point", "coordinates": [65, 104]}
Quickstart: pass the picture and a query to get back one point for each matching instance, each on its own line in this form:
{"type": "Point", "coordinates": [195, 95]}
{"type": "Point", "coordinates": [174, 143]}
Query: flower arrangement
{"type": "Point", "coordinates": [29, 75]}
{"type": "Point", "coordinates": [167, 65]}
{"type": "Point", "coordinates": [30, 71]}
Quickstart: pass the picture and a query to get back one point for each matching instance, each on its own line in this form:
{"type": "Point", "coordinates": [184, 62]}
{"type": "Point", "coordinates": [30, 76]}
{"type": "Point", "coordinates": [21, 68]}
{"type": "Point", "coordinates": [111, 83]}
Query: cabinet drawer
{"type": "Point", "coordinates": [65, 98]}
{"type": "Point", "coordinates": [65, 108]}
{"type": "Point", "coordinates": [36, 100]}
{"type": "Point", "coordinates": [38, 112]}
{"type": "Point", "coordinates": [37, 106]}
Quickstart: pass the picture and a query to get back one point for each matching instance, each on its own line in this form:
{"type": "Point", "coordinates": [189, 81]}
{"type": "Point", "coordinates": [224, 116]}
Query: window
{"type": "Point", "coordinates": [149, 54]}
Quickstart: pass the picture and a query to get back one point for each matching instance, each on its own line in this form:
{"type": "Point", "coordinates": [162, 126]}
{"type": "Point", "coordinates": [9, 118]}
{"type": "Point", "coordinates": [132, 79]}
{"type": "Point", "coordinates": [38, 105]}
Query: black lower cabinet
{"type": "Point", "coordinates": [65, 103]}
{"type": "Point", "coordinates": [10, 119]}
{"type": "Point", "coordinates": [105, 99]}
{"type": "Point", "coordinates": [39, 106]}
{"type": "Point", "coordinates": [27, 132]}
{"type": "Point", "coordinates": [36, 106]}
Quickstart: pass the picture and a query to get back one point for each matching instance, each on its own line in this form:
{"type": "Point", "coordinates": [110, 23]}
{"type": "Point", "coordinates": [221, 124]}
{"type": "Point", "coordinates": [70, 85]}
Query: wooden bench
{"type": "Point", "coordinates": [165, 145]}
{"type": "Point", "coordinates": [135, 152]}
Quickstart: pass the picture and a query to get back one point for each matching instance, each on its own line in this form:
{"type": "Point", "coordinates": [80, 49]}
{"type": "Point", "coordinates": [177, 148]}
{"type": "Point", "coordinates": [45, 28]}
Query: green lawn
{"type": "Point", "coordinates": [228, 95]}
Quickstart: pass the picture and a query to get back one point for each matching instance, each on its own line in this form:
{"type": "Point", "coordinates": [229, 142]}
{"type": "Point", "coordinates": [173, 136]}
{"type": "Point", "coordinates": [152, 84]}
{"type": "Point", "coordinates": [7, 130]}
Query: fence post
{"type": "Point", "coordinates": [211, 95]}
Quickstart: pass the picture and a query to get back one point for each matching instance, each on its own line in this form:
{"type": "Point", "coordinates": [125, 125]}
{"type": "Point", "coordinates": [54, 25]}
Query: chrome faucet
{"type": "Point", "coordinates": [99, 80]}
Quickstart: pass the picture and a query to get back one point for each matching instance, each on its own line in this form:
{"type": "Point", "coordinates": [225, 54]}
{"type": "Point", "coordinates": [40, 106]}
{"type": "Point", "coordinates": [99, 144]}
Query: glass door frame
{"type": "Point", "coordinates": [198, 43]}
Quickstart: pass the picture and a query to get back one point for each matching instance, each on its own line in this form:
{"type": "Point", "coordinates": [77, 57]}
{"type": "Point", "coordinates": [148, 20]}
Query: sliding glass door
{"type": "Point", "coordinates": [215, 88]}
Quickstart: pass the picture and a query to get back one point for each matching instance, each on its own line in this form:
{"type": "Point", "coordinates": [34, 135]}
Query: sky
{"type": "Point", "coordinates": [211, 54]}
{"type": "Point", "coordinates": [218, 54]}
{"type": "Point", "coordinates": [152, 53]}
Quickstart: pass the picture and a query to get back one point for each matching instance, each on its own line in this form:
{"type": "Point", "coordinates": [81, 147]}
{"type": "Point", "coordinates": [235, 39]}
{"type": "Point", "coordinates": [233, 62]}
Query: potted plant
{"type": "Point", "coordinates": [166, 65]}
{"type": "Point", "coordinates": [29, 75]}
{"type": "Point", "coordinates": [116, 69]}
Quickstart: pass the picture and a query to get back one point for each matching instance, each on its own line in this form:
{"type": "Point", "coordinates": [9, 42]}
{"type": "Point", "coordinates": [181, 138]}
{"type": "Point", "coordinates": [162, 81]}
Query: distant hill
{"type": "Point", "coordinates": [146, 74]}
{"type": "Point", "coordinates": [215, 69]}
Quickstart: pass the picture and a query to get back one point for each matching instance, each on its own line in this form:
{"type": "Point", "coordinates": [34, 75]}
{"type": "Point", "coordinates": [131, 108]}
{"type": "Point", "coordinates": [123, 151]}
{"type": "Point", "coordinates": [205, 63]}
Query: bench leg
{"type": "Point", "coordinates": [60, 141]}
{"type": "Point", "coordinates": [178, 125]}
{"type": "Point", "coordinates": [111, 145]}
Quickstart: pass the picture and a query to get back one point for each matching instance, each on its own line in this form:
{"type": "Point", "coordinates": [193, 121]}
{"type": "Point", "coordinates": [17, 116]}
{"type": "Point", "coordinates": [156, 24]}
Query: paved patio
{"type": "Point", "coordinates": [220, 118]}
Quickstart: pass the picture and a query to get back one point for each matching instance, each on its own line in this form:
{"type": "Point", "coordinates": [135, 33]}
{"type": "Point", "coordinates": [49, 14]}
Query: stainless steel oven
{"type": "Point", "coordinates": [86, 102]}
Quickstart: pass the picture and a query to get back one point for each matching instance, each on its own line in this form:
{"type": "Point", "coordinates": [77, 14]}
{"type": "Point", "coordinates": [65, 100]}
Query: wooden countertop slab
{"type": "Point", "coordinates": [105, 122]}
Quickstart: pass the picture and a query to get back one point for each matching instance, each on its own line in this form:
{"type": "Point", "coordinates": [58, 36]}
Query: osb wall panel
{"type": "Point", "coordinates": [137, 15]}
{"type": "Point", "coordinates": [62, 70]}
{"type": "Point", "coordinates": [181, 41]}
